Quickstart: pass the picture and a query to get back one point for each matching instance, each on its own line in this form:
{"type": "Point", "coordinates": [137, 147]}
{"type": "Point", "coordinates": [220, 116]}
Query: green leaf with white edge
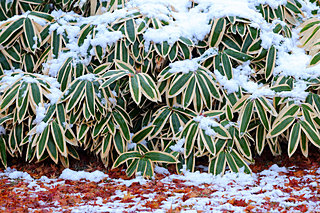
{"type": "Point", "coordinates": [160, 120]}
{"type": "Point", "coordinates": [243, 146]}
{"type": "Point", "coordinates": [142, 134]}
{"type": "Point", "coordinates": [237, 55]}
{"type": "Point", "coordinates": [135, 90]}
{"type": "Point", "coordinates": [208, 142]}
{"type": "Point", "coordinates": [3, 154]}
{"type": "Point", "coordinates": [217, 32]}
{"type": "Point", "coordinates": [227, 66]}
{"type": "Point", "coordinates": [76, 96]}
{"type": "Point", "coordinates": [121, 121]}
{"type": "Point", "coordinates": [190, 139]}
{"type": "Point", "coordinates": [106, 144]}
{"type": "Point", "coordinates": [11, 29]}
{"type": "Point", "coordinates": [124, 114]}
{"type": "Point", "coordinates": [30, 34]}
{"type": "Point", "coordinates": [179, 84]}
{"type": "Point", "coordinates": [119, 143]}
{"type": "Point", "coordinates": [102, 69]}
{"type": "Point", "coordinates": [130, 30]}
{"type": "Point", "coordinates": [149, 169]}
{"type": "Point", "coordinates": [260, 139]}
{"type": "Point", "coordinates": [222, 132]}
{"type": "Point", "coordinates": [132, 168]}
{"type": "Point", "coordinates": [232, 164]}
{"type": "Point", "coordinates": [114, 78]}
{"type": "Point", "coordinates": [160, 157]}
{"type": "Point", "coordinates": [90, 98]}
{"type": "Point", "coordinates": [262, 114]}
{"type": "Point", "coordinates": [204, 91]}
{"type": "Point", "coordinates": [59, 138]}
{"type": "Point", "coordinates": [220, 163]}
{"type": "Point", "coordinates": [312, 134]}
{"type": "Point", "coordinates": [240, 162]}
{"type": "Point", "coordinates": [315, 59]}
{"type": "Point", "coordinates": [281, 126]}
{"type": "Point", "coordinates": [147, 89]}
{"type": "Point", "coordinates": [9, 98]}
{"type": "Point", "coordinates": [22, 93]}
{"type": "Point", "coordinates": [142, 165]}
{"type": "Point", "coordinates": [42, 143]}
{"type": "Point", "coordinates": [99, 127]}
{"type": "Point", "coordinates": [56, 43]}
{"type": "Point", "coordinates": [6, 118]}
{"type": "Point", "coordinates": [124, 66]}
{"type": "Point", "coordinates": [125, 157]}
{"type": "Point", "coordinates": [189, 93]}
{"type": "Point", "coordinates": [152, 84]}
{"type": "Point", "coordinates": [42, 15]}
{"type": "Point", "coordinates": [239, 104]}
{"type": "Point", "coordinates": [245, 117]}
{"type": "Point", "coordinates": [294, 138]}
{"type": "Point", "coordinates": [271, 61]}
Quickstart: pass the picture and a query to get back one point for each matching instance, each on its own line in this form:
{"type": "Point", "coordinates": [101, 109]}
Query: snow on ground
{"type": "Point", "coordinates": [274, 190]}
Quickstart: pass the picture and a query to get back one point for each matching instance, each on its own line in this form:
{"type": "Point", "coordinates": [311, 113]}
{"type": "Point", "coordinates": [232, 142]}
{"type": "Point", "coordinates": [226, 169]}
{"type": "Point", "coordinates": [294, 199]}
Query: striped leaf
{"type": "Point", "coordinates": [10, 97]}
{"type": "Point", "coordinates": [160, 157]}
{"type": "Point", "coordinates": [142, 134]}
{"type": "Point", "coordinates": [220, 164]}
{"type": "Point", "coordinates": [281, 126]}
{"type": "Point", "coordinates": [59, 138]}
{"type": "Point", "coordinates": [294, 138]}
{"type": "Point", "coordinates": [42, 143]}
{"type": "Point", "coordinates": [245, 117]}
{"type": "Point", "coordinates": [3, 152]}
{"type": "Point", "coordinates": [90, 98]}
{"type": "Point", "coordinates": [240, 162]}
{"type": "Point", "coordinates": [30, 34]}
{"type": "Point", "coordinates": [208, 142]}
{"type": "Point", "coordinates": [12, 29]}
{"type": "Point", "coordinates": [271, 61]}
{"type": "Point", "coordinates": [135, 89]}
{"type": "Point", "coordinates": [179, 84]}
{"type": "Point", "coordinates": [190, 140]}
{"type": "Point", "coordinates": [130, 30]}
{"type": "Point", "coordinates": [124, 66]}
{"type": "Point", "coordinates": [217, 32]}
{"type": "Point", "coordinates": [160, 120]}
{"type": "Point", "coordinates": [312, 134]}
{"type": "Point", "coordinates": [260, 139]}
{"type": "Point", "coordinates": [121, 121]}
{"type": "Point", "coordinates": [76, 96]}
{"type": "Point", "coordinates": [315, 59]}
{"type": "Point", "coordinates": [125, 157]}
{"type": "Point", "coordinates": [262, 114]}
{"type": "Point", "coordinates": [132, 168]}
{"type": "Point", "coordinates": [231, 162]}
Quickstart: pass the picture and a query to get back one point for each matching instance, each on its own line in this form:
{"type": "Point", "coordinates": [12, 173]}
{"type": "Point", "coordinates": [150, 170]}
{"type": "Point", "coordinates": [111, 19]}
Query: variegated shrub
{"type": "Point", "coordinates": [145, 83]}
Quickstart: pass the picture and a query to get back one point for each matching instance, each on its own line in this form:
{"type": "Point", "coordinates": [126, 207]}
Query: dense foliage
{"type": "Point", "coordinates": [126, 81]}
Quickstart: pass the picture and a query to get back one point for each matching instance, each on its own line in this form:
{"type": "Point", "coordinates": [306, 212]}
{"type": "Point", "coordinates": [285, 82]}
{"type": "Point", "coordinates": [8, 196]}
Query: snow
{"type": "Point", "coordinates": [184, 66]}
{"type": "Point", "coordinates": [40, 127]}
{"type": "Point", "coordinates": [95, 176]}
{"type": "Point", "coordinates": [179, 146]}
{"type": "Point", "coordinates": [40, 114]}
{"type": "Point", "coordinates": [206, 124]}
{"type": "Point", "coordinates": [161, 170]}
{"type": "Point", "coordinates": [87, 77]}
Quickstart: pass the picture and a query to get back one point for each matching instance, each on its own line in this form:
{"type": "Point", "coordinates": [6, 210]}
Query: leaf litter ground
{"type": "Point", "coordinates": [280, 185]}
